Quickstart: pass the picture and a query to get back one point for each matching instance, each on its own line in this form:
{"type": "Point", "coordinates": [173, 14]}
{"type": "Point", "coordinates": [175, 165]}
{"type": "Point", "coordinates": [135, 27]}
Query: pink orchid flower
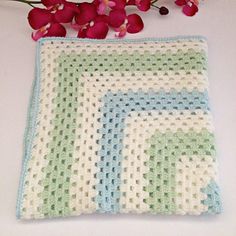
{"type": "Point", "coordinates": [46, 22]}
{"type": "Point", "coordinates": [45, 25]}
{"type": "Point", "coordinates": [123, 23]}
{"type": "Point", "coordinates": [63, 11]}
{"type": "Point", "coordinates": [142, 5]}
{"type": "Point", "coordinates": [105, 5]}
{"type": "Point", "coordinates": [89, 24]}
{"type": "Point", "coordinates": [190, 7]}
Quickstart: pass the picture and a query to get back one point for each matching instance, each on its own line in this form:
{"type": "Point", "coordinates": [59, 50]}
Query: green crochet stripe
{"type": "Point", "coordinates": [57, 181]}
{"type": "Point", "coordinates": [56, 186]}
{"type": "Point", "coordinates": [190, 60]}
{"type": "Point", "coordinates": [165, 148]}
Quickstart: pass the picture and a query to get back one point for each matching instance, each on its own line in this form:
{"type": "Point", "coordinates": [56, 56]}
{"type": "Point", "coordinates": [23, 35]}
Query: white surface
{"type": "Point", "coordinates": [216, 20]}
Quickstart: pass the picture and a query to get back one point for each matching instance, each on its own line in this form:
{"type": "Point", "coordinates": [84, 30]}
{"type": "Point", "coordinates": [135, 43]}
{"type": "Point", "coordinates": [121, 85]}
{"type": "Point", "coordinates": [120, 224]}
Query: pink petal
{"type": "Point", "coordinates": [190, 10]}
{"type": "Point", "coordinates": [82, 32]}
{"type": "Point", "coordinates": [38, 18]}
{"type": "Point", "coordinates": [98, 31]}
{"type": "Point", "coordinates": [56, 30]}
{"type": "Point", "coordinates": [121, 32]}
{"type": "Point", "coordinates": [135, 23]}
{"type": "Point", "coordinates": [119, 4]}
{"type": "Point", "coordinates": [75, 26]}
{"type": "Point", "coordinates": [101, 8]}
{"type": "Point", "coordinates": [72, 6]}
{"type": "Point", "coordinates": [87, 13]}
{"type": "Point", "coordinates": [196, 2]}
{"type": "Point", "coordinates": [96, 2]}
{"type": "Point", "coordinates": [111, 4]}
{"type": "Point", "coordinates": [131, 2]}
{"type": "Point", "coordinates": [143, 5]}
{"type": "Point", "coordinates": [181, 2]}
{"type": "Point", "coordinates": [37, 35]}
{"type": "Point", "coordinates": [101, 18]}
{"type": "Point", "coordinates": [117, 18]}
{"type": "Point", "coordinates": [49, 3]}
{"type": "Point", "coordinates": [66, 14]}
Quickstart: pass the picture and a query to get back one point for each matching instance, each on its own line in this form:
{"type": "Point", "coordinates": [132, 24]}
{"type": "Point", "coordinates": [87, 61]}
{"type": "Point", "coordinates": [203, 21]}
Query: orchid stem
{"type": "Point", "coordinates": [30, 3]}
{"type": "Point", "coordinates": [154, 1]}
{"type": "Point", "coordinates": [155, 6]}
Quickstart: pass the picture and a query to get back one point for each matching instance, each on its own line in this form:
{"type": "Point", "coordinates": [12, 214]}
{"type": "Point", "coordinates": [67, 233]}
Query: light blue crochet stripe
{"type": "Point", "coordinates": [116, 106]}
{"type": "Point", "coordinates": [213, 200]}
{"type": "Point", "coordinates": [30, 130]}
{"type": "Point", "coordinates": [139, 40]}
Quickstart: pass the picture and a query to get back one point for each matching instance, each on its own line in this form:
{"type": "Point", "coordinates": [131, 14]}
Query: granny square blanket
{"type": "Point", "coordinates": [119, 126]}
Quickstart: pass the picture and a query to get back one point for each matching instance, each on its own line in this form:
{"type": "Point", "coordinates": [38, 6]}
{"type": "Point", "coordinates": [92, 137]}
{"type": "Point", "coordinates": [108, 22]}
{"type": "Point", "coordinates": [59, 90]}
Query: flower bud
{"type": "Point", "coordinates": [163, 11]}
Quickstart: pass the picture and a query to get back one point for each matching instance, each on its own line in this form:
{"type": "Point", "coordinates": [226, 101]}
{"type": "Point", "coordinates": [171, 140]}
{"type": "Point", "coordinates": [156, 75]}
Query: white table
{"type": "Point", "coordinates": [216, 20]}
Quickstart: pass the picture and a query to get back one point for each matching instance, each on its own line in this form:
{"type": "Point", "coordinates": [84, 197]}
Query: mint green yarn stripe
{"type": "Point", "coordinates": [188, 60]}
{"type": "Point", "coordinates": [164, 152]}
{"type": "Point", "coordinates": [56, 184]}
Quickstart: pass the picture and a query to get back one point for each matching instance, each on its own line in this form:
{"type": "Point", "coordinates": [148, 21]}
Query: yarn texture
{"type": "Point", "coordinates": [119, 126]}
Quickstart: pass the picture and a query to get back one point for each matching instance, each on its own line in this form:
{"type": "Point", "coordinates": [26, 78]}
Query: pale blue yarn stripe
{"type": "Point", "coordinates": [116, 107]}
{"type": "Point", "coordinates": [212, 201]}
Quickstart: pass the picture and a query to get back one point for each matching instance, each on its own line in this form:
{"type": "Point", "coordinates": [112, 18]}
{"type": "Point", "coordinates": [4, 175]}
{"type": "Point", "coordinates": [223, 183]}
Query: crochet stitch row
{"type": "Point", "coordinates": [119, 126]}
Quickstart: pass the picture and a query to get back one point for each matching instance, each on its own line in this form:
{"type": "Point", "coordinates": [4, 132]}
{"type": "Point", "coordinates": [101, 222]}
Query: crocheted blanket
{"type": "Point", "coordinates": [119, 126]}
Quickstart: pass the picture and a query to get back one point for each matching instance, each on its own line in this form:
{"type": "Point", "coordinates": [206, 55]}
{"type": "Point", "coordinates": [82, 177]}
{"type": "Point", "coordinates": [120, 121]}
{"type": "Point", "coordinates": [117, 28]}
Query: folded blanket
{"type": "Point", "coordinates": [119, 126]}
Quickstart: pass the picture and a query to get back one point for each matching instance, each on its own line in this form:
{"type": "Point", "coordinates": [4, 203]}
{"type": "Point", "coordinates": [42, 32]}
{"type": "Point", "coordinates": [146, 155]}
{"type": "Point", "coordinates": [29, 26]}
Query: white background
{"type": "Point", "coordinates": [216, 20]}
